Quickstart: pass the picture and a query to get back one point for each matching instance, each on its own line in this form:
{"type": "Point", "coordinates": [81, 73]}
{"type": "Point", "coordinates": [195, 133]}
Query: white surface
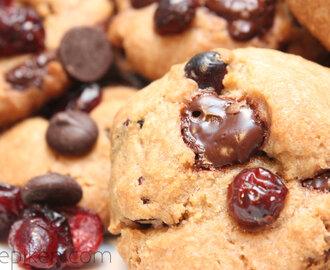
{"type": "Point", "coordinates": [108, 247]}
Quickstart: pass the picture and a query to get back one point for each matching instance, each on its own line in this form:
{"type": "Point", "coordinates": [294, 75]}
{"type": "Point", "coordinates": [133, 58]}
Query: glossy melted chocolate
{"type": "Point", "coordinates": [221, 131]}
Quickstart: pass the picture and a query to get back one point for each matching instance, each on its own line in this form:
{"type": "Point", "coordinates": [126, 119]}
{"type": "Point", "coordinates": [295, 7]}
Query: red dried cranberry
{"type": "Point", "coordinates": [60, 224]}
{"type": "Point", "coordinates": [31, 73]}
{"type": "Point", "coordinates": [207, 69]}
{"type": "Point", "coordinates": [87, 233]}
{"type": "Point", "coordinates": [256, 197]}
{"type": "Point", "coordinates": [320, 182]}
{"type": "Point", "coordinates": [246, 19]}
{"type": "Point", "coordinates": [21, 31]}
{"type": "Point", "coordinates": [86, 98]}
{"type": "Point", "coordinates": [174, 16]}
{"type": "Point", "coordinates": [11, 207]}
{"type": "Point", "coordinates": [34, 242]}
{"type": "Point", "coordinates": [142, 3]}
{"type": "Point", "coordinates": [5, 3]}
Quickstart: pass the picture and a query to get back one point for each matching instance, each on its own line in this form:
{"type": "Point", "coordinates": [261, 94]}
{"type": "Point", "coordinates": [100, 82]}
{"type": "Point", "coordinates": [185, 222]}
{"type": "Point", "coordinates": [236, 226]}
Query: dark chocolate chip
{"type": "Point", "coordinates": [52, 188]}
{"type": "Point", "coordinates": [85, 54]}
{"type": "Point", "coordinates": [320, 182]}
{"type": "Point", "coordinates": [31, 73]}
{"type": "Point", "coordinates": [246, 18]}
{"type": "Point", "coordinates": [207, 69]}
{"type": "Point", "coordinates": [140, 180]}
{"type": "Point", "coordinates": [72, 133]}
{"type": "Point", "coordinates": [221, 131]}
{"type": "Point", "coordinates": [141, 123]}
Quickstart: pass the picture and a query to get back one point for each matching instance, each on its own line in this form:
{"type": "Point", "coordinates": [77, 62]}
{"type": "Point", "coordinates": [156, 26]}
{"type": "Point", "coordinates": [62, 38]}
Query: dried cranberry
{"type": "Point", "coordinates": [5, 2]}
{"type": "Point", "coordinates": [34, 242]}
{"type": "Point", "coordinates": [87, 233]}
{"type": "Point", "coordinates": [86, 98]}
{"type": "Point", "coordinates": [207, 69]}
{"type": "Point", "coordinates": [60, 224]}
{"type": "Point", "coordinates": [142, 3]}
{"type": "Point", "coordinates": [320, 182]}
{"type": "Point", "coordinates": [31, 73]}
{"type": "Point", "coordinates": [246, 19]}
{"type": "Point", "coordinates": [21, 31]}
{"type": "Point", "coordinates": [174, 16]}
{"type": "Point", "coordinates": [256, 197]}
{"type": "Point", "coordinates": [11, 207]}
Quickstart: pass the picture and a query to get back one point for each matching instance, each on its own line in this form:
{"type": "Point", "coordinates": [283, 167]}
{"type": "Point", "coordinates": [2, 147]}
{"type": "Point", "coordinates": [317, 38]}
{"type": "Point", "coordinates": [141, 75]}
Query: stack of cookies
{"type": "Point", "coordinates": [197, 130]}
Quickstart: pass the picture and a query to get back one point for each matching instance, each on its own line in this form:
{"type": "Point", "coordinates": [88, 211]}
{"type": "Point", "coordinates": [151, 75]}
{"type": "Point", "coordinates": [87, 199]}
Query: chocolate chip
{"type": "Point", "coordinates": [141, 123]}
{"type": "Point", "coordinates": [320, 182]}
{"type": "Point", "coordinates": [85, 54]}
{"type": "Point", "coordinates": [72, 133]}
{"type": "Point", "coordinates": [207, 69]}
{"type": "Point", "coordinates": [246, 19]}
{"type": "Point", "coordinates": [221, 131]}
{"type": "Point", "coordinates": [31, 72]}
{"type": "Point", "coordinates": [52, 188]}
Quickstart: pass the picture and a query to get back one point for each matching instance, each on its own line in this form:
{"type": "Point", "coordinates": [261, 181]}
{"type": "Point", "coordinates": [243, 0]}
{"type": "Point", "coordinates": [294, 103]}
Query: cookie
{"type": "Point", "coordinates": [233, 175]}
{"type": "Point", "coordinates": [25, 153]}
{"type": "Point", "coordinates": [30, 71]}
{"type": "Point", "coordinates": [315, 16]}
{"type": "Point", "coordinates": [147, 32]}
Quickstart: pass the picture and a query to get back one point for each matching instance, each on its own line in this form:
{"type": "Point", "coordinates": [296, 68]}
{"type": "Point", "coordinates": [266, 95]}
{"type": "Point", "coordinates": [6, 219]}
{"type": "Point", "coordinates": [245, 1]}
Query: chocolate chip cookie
{"type": "Point", "coordinates": [30, 34]}
{"type": "Point", "coordinates": [154, 35]}
{"type": "Point", "coordinates": [36, 147]}
{"type": "Point", "coordinates": [315, 16]}
{"type": "Point", "coordinates": [224, 164]}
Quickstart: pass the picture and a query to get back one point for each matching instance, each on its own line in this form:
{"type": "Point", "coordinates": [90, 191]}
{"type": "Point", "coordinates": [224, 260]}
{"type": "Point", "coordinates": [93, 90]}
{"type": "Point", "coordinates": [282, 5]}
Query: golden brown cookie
{"type": "Point", "coordinates": [183, 146]}
{"type": "Point", "coordinates": [315, 16]}
{"type": "Point", "coordinates": [25, 154]}
{"type": "Point", "coordinates": [27, 81]}
{"type": "Point", "coordinates": [152, 53]}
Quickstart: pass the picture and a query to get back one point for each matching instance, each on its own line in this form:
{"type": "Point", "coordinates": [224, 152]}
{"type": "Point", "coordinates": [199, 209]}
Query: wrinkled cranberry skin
{"type": "Point", "coordinates": [174, 16]}
{"type": "Point", "coordinates": [60, 224]}
{"type": "Point", "coordinates": [87, 233]}
{"type": "Point", "coordinates": [35, 242]}
{"type": "Point", "coordinates": [256, 197]}
{"type": "Point", "coordinates": [21, 31]}
{"type": "Point", "coordinates": [142, 3]}
{"type": "Point", "coordinates": [87, 97]}
{"type": "Point", "coordinates": [320, 182]}
{"type": "Point", "coordinates": [207, 69]}
{"type": "Point", "coordinates": [11, 207]}
{"type": "Point", "coordinates": [5, 3]}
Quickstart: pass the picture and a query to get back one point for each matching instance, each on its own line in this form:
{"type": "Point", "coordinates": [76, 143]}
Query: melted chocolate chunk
{"type": "Point", "coordinates": [246, 18]}
{"type": "Point", "coordinates": [221, 131]}
{"type": "Point", "coordinates": [31, 73]}
{"type": "Point", "coordinates": [320, 182]}
{"type": "Point", "coordinates": [207, 69]}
